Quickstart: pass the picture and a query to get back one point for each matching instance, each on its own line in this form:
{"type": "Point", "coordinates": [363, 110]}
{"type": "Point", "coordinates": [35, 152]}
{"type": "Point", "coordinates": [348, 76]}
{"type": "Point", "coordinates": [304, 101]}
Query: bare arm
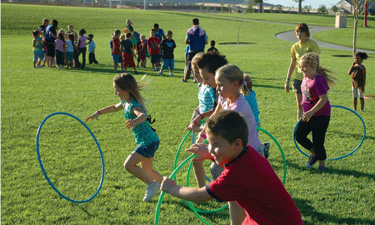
{"type": "Point", "coordinates": [322, 101]}
{"type": "Point", "coordinates": [190, 194]}
{"type": "Point", "coordinates": [364, 79]}
{"type": "Point", "coordinates": [108, 109]}
{"type": "Point", "coordinates": [351, 68]}
{"type": "Point", "coordinates": [141, 117]}
{"type": "Point", "coordinates": [291, 68]}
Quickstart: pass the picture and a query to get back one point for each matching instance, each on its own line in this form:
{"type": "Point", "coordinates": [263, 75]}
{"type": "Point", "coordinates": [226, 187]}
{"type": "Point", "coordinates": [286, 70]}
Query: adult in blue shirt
{"type": "Point", "coordinates": [197, 38]}
{"type": "Point", "coordinates": [51, 36]}
{"type": "Point", "coordinates": [159, 32]}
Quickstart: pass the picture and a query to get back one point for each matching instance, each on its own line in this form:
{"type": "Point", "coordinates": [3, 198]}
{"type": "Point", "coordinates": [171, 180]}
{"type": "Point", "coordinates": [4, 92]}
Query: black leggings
{"type": "Point", "coordinates": [83, 51]}
{"type": "Point", "coordinates": [318, 125]}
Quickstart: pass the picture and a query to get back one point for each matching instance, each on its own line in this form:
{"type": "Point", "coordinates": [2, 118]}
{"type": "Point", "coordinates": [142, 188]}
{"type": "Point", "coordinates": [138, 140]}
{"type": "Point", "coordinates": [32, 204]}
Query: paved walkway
{"type": "Point", "coordinates": [291, 36]}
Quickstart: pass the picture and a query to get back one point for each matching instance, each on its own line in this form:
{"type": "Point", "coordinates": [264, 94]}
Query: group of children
{"type": "Point", "coordinates": [234, 145]}
{"type": "Point", "coordinates": [158, 47]}
{"type": "Point", "coordinates": [62, 48]}
{"type": "Point", "coordinates": [241, 172]}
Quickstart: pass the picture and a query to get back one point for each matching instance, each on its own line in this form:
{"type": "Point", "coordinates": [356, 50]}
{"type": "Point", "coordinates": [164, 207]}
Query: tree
{"type": "Point", "coordinates": [322, 9]}
{"type": "Point", "coordinates": [299, 5]}
{"type": "Point", "coordinates": [357, 11]}
{"type": "Point", "coordinates": [307, 9]}
{"type": "Point", "coordinates": [260, 5]}
{"type": "Point", "coordinates": [335, 9]}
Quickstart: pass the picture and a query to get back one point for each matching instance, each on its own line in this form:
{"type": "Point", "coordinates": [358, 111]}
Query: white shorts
{"type": "Point", "coordinates": [357, 92]}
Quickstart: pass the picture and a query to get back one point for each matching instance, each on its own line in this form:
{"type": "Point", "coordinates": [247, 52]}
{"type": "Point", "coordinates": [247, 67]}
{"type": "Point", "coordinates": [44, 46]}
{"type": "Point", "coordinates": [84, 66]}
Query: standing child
{"type": "Point", "coordinates": [248, 179]}
{"type": "Point", "coordinates": [116, 50]}
{"type": "Point", "coordinates": [70, 50]}
{"type": "Point", "coordinates": [167, 47]}
{"type": "Point", "coordinates": [60, 50]}
{"type": "Point", "coordinates": [316, 109]}
{"type": "Point", "coordinates": [251, 99]}
{"type": "Point", "coordinates": [127, 89]}
{"type": "Point", "coordinates": [358, 74]}
{"type": "Point", "coordinates": [153, 48]}
{"type": "Point", "coordinates": [212, 48]}
{"type": "Point", "coordinates": [81, 45]}
{"type": "Point", "coordinates": [37, 49]}
{"type": "Point", "coordinates": [128, 52]}
{"type": "Point", "coordinates": [142, 51]}
{"type": "Point", "coordinates": [92, 48]}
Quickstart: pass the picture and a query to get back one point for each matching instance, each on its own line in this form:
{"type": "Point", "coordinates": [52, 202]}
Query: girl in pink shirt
{"type": "Point", "coordinates": [81, 45]}
{"type": "Point", "coordinates": [60, 50]}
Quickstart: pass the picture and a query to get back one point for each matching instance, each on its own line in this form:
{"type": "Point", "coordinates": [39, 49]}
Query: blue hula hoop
{"type": "Point", "coordinates": [44, 171]}
{"type": "Point", "coordinates": [341, 157]}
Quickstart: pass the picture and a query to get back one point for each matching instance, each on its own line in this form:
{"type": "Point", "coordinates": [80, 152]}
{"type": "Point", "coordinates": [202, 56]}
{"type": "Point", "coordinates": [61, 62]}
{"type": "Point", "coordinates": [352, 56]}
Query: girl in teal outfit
{"type": "Point", "coordinates": [127, 89]}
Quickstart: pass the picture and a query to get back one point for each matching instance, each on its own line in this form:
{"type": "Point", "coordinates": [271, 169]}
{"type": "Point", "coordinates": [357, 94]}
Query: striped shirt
{"type": "Point", "coordinates": [206, 98]}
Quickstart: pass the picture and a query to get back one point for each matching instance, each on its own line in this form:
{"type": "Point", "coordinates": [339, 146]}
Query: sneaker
{"type": "Point", "coordinates": [183, 80]}
{"type": "Point", "coordinates": [266, 149]}
{"type": "Point", "coordinates": [323, 168]}
{"type": "Point", "coordinates": [160, 72]}
{"type": "Point", "coordinates": [151, 190]}
{"type": "Point", "coordinates": [171, 74]}
{"type": "Point", "coordinates": [311, 162]}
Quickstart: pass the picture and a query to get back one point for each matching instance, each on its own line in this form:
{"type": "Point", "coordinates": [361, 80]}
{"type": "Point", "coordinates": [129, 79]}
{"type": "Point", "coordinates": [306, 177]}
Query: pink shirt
{"type": "Point", "coordinates": [82, 42]}
{"type": "Point", "coordinates": [59, 45]}
{"type": "Point", "coordinates": [242, 107]}
{"type": "Point", "coordinates": [311, 90]}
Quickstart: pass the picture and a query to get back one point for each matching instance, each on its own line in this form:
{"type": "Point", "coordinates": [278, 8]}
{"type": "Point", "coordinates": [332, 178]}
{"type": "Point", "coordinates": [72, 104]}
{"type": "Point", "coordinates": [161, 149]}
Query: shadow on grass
{"type": "Point", "coordinates": [343, 172]}
{"type": "Point", "coordinates": [309, 211]}
{"type": "Point", "coordinates": [212, 217]}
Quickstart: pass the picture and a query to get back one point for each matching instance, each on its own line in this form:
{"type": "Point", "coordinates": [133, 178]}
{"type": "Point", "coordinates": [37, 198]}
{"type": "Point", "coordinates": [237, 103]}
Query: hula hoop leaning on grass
{"type": "Point", "coordinates": [41, 163]}
{"type": "Point", "coordinates": [341, 157]}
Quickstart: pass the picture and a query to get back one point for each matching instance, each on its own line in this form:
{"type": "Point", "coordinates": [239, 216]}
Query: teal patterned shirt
{"type": "Point", "coordinates": [143, 133]}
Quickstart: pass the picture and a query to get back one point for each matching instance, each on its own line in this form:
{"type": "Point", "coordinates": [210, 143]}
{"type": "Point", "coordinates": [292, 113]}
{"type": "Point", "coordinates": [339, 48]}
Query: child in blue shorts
{"type": "Point", "coordinates": [37, 49]}
{"type": "Point", "coordinates": [167, 47]}
{"type": "Point", "coordinates": [127, 89]}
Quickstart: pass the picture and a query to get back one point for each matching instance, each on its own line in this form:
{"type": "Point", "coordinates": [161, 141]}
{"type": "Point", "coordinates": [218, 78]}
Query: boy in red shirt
{"type": "Point", "coordinates": [153, 48]}
{"type": "Point", "coordinates": [247, 178]}
{"type": "Point", "coordinates": [116, 50]}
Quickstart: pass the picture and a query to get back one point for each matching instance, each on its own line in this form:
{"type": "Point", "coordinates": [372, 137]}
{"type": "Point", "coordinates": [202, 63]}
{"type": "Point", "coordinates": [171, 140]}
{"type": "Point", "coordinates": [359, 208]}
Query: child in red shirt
{"type": "Point", "coordinates": [153, 48]}
{"type": "Point", "coordinates": [247, 178]}
{"type": "Point", "coordinates": [116, 50]}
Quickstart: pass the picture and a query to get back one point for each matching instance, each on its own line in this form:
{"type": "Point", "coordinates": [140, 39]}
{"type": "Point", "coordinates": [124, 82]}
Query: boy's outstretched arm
{"type": "Point", "coordinates": [190, 194]}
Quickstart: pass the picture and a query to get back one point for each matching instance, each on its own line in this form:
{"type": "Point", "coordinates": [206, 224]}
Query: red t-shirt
{"type": "Point", "coordinates": [153, 43]}
{"type": "Point", "coordinates": [116, 46]}
{"type": "Point", "coordinates": [252, 183]}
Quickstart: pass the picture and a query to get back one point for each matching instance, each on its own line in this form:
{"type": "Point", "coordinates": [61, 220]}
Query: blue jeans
{"type": "Point", "coordinates": [147, 151]}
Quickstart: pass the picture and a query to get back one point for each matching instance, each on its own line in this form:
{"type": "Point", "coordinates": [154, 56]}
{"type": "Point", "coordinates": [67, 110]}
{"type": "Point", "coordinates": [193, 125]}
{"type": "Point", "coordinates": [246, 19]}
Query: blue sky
{"type": "Point", "coordinates": [313, 3]}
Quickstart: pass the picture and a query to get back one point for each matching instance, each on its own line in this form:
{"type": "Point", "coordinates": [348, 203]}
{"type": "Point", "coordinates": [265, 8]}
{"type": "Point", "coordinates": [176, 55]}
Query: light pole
{"type": "Point", "coordinates": [144, 4]}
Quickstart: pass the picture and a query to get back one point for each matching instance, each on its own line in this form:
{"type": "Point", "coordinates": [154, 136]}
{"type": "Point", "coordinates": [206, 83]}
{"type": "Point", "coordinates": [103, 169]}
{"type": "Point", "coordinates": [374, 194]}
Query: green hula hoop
{"type": "Point", "coordinates": [156, 222]}
{"type": "Point", "coordinates": [281, 150]}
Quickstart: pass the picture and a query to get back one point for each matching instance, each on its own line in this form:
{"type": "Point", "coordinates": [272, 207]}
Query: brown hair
{"type": "Point", "coordinates": [229, 125]}
{"type": "Point", "coordinates": [126, 81]}
{"type": "Point", "coordinates": [303, 28]}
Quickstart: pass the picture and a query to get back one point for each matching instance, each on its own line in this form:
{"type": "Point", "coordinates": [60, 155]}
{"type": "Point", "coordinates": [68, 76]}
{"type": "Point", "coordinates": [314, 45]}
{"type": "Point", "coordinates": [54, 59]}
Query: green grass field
{"type": "Point", "coordinates": [344, 195]}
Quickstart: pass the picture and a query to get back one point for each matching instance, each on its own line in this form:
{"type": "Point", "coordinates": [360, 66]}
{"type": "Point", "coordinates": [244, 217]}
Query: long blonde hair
{"type": "Point", "coordinates": [312, 59]}
{"type": "Point", "coordinates": [233, 73]}
{"type": "Point", "coordinates": [126, 81]}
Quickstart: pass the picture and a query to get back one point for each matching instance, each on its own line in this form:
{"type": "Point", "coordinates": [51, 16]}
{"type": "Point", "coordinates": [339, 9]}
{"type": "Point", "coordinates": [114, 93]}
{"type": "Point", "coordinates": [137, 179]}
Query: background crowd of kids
{"type": "Point", "coordinates": [53, 46]}
{"type": "Point", "coordinates": [225, 99]}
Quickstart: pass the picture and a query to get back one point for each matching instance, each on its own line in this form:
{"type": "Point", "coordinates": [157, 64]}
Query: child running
{"type": "Point", "coordinates": [248, 178]}
{"type": "Point", "coordinates": [127, 89]}
{"type": "Point", "coordinates": [316, 109]}
{"type": "Point", "coordinates": [358, 74]}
